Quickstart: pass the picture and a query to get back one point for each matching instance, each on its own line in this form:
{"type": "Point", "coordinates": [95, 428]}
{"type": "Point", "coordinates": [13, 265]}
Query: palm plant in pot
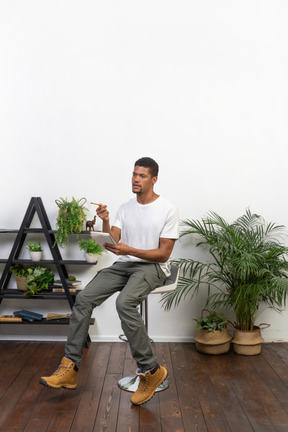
{"type": "Point", "coordinates": [91, 249]}
{"type": "Point", "coordinates": [247, 269]}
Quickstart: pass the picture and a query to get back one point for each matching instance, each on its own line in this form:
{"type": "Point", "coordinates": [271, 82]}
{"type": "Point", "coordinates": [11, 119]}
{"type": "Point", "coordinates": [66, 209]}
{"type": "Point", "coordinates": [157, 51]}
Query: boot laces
{"type": "Point", "coordinates": [62, 370]}
{"type": "Point", "coordinates": [144, 382]}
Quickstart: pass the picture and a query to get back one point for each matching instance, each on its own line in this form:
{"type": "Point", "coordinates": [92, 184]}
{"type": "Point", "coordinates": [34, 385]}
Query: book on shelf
{"type": "Point", "coordinates": [55, 316]}
{"type": "Point", "coordinates": [69, 283]}
{"type": "Point", "coordinates": [62, 290]}
{"type": "Point", "coordinates": [10, 318]}
{"type": "Point", "coordinates": [28, 315]}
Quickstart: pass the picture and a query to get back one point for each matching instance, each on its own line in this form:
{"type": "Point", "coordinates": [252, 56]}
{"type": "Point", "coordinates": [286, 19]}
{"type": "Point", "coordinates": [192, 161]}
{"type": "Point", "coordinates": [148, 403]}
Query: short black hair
{"type": "Point", "coordinates": [147, 162]}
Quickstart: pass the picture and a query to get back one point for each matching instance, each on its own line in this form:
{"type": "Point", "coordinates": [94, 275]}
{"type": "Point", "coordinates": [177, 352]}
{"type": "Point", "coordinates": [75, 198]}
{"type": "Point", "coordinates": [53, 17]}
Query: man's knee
{"type": "Point", "coordinates": [124, 303]}
{"type": "Point", "coordinates": [82, 300]}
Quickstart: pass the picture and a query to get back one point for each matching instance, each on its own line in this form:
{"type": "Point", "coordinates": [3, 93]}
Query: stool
{"type": "Point", "coordinates": [130, 383]}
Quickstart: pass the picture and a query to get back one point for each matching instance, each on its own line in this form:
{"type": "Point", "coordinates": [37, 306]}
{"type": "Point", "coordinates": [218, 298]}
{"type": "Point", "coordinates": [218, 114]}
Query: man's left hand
{"type": "Point", "coordinates": [119, 249]}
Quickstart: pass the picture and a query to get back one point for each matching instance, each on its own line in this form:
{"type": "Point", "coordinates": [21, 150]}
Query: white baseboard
{"type": "Point", "coordinates": [61, 338]}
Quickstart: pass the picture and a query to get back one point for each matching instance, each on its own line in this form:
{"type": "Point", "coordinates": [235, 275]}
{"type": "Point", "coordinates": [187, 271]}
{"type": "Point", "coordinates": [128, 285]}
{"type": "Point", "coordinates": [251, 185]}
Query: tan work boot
{"type": "Point", "coordinates": [148, 385]}
{"type": "Point", "coordinates": [64, 377]}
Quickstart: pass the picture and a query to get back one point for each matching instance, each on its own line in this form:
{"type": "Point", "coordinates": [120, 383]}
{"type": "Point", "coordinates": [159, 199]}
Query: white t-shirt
{"type": "Point", "coordinates": [143, 225]}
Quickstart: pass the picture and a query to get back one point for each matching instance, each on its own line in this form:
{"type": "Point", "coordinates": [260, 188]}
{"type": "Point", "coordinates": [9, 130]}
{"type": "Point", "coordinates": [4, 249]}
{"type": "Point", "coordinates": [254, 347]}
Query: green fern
{"type": "Point", "coordinates": [71, 216]}
{"type": "Point", "coordinates": [90, 246]}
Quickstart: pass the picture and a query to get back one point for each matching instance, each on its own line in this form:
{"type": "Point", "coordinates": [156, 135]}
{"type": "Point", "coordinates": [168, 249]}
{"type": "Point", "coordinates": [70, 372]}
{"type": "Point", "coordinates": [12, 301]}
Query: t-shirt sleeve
{"type": "Point", "coordinates": [118, 218]}
{"type": "Point", "coordinates": [171, 227]}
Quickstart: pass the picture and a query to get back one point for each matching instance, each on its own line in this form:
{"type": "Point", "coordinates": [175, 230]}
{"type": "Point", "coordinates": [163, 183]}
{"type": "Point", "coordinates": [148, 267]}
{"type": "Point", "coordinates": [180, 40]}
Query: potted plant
{"type": "Point", "coordinates": [20, 274]}
{"type": "Point", "coordinates": [37, 278]}
{"type": "Point", "coordinates": [212, 336]}
{"type": "Point", "coordinates": [247, 268]}
{"type": "Point", "coordinates": [71, 216]}
{"type": "Point", "coordinates": [35, 250]}
{"type": "Point", "coordinates": [91, 248]}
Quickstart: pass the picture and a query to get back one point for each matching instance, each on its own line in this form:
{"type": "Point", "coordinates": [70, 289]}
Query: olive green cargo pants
{"type": "Point", "coordinates": [134, 281]}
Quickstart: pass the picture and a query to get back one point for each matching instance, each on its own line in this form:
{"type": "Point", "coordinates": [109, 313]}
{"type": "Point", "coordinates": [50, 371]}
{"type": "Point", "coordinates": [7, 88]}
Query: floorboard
{"type": "Point", "coordinates": [225, 393]}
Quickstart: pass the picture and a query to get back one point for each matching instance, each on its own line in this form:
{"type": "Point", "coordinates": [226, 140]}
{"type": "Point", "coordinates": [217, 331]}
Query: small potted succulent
{"type": "Point", "coordinates": [91, 249]}
{"type": "Point", "coordinates": [35, 250]}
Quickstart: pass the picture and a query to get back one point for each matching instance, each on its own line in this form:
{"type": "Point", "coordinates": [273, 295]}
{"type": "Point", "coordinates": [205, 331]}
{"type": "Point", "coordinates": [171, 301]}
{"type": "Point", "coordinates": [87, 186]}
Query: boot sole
{"type": "Point", "coordinates": [43, 382]}
{"type": "Point", "coordinates": [147, 400]}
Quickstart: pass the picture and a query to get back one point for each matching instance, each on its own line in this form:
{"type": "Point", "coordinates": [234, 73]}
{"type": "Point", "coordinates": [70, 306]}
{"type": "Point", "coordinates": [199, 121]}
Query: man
{"type": "Point", "coordinates": [145, 230]}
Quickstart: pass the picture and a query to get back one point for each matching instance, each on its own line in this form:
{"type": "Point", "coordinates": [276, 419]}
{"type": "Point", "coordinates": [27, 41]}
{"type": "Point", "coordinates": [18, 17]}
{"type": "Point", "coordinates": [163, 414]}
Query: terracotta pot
{"type": "Point", "coordinates": [247, 342]}
{"type": "Point", "coordinates": [215, 342]}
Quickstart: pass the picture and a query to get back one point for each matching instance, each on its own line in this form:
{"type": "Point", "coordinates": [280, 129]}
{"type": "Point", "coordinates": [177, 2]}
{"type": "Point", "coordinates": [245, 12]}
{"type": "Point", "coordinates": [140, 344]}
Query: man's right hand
{"type": "Point", "coordinates": [103, 213]}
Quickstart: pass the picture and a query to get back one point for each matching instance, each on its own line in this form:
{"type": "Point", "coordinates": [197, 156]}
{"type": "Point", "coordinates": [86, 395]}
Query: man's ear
{"type": "Point", "coordinates": [154, 180]}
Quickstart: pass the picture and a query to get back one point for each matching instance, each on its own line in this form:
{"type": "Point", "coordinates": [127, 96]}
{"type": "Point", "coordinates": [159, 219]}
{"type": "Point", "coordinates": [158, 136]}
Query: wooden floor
{"type": "Point", "coordinates": [207, 393]}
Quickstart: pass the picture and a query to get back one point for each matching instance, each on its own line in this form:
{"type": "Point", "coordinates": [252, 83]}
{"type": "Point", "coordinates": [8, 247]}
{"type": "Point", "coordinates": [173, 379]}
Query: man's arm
{"type": "Point", "coordinates": [103, 214]}
{"type": "Point", "coordinates": [161, 254]}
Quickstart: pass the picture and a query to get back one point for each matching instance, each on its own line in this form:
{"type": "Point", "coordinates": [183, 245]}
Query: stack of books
{"type": "Point", "coordinates": [58, 286]}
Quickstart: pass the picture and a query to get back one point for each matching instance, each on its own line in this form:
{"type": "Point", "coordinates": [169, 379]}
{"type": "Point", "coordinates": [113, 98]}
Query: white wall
{"type": "Point", "coordinates": [87, 87]}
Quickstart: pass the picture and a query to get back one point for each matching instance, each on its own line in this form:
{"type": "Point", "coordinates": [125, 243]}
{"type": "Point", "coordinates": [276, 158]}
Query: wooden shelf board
{"type": "Point", "coordinates": [37, 231]}
{"type": "Point", "coordinates": [65, 262]}
{"type": "Point", "coordinates": [45, 295]}
{"type": "Point", "coordinates": [63, 321]}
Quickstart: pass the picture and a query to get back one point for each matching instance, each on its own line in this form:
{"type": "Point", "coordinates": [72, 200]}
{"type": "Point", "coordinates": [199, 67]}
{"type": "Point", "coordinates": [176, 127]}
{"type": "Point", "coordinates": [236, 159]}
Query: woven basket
{"type": "Point", "coordinates": [215, 342]}
{"type": "Point", "coordinates": [213, 349]}
{"type": "Point", "coordinates": [247, 342]}
{"type": "Point", "coordinates": [21, 283]}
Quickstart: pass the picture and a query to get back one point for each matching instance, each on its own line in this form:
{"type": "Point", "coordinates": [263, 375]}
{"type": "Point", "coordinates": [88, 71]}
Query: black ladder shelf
{"type": "Point", "coordinates": [36, 206]}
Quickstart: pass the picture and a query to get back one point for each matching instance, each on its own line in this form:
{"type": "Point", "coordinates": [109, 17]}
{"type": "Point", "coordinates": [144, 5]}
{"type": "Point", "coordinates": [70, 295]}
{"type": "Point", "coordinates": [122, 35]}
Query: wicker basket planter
{"type": "Point", "coordinates": [21, 283]}
{"type": "Point", "coordinates": [215, 342]}
{"type": "Point", "coordinates": [247, 342]}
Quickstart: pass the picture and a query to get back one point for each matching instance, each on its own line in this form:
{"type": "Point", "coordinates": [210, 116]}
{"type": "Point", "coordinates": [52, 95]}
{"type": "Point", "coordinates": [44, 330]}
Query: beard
{"type": "Point", "coordinates": [137, 190]}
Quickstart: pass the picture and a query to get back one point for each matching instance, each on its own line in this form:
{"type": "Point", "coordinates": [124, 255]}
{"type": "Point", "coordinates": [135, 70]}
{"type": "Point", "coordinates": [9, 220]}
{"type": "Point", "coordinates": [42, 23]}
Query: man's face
{"type": "Point", "coordinates": [142, 181]}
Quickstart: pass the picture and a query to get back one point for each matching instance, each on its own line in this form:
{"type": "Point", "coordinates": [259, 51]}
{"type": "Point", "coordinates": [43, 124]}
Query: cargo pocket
{"type": "Point", "coordinates": [155, 279]}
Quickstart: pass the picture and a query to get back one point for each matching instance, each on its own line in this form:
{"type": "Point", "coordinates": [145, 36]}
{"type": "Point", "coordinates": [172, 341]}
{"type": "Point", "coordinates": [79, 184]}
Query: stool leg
{"type": "Point", "coordinates": [141, 311]}
{"type": "Point", "coordinates": [146, 314]}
